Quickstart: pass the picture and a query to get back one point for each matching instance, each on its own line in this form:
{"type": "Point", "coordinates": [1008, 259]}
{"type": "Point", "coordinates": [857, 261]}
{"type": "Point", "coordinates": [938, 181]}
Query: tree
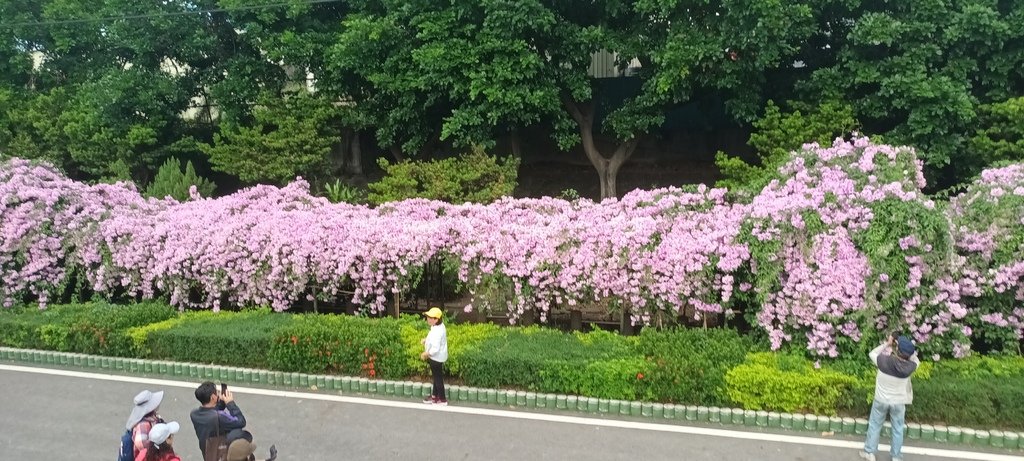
{"type": "Point", "coordinates": [289, 137]}
{"type": "Point", "coordinates": [915, 72]}
{"type": "Point", "coordinates": [999, 136]}
{"type": "Point", "coordinates": [776, 134]}
{"type": "Point", "coordinates": [502, 65]}
{"type": "Point", "coordinates": [471, 177]}
{"type": "Point", "coordinates": [108, 93]}
{"type": "Point", "coordinates": [171, 181]}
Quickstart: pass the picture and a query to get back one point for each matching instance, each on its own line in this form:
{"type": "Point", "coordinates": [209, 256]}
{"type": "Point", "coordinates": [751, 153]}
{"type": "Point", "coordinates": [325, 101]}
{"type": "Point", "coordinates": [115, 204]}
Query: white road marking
{"type": "Point", "coordinates": [779, 438]}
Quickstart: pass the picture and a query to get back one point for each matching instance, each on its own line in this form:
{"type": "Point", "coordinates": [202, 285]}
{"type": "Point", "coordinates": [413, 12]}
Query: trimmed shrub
{"type": "Point", "coordinates": [19, 327]}
{"type": "Point", "coordinates": [91, 328]}
{"type": "Point", "coordinates": [597, 364]}
{"type": "Point", "coordinates": [471, 177]}
{"type": "Point", "coordinates": [462, 338]}
{"type": "Point", "coordinates": [226, 338]}
{"type": "Point", "coordinates": [340, 344]}
{"type": "Point", "coordinates": [969, 401]}
{"type": "Point", "coordinates": [688, 366]}
{"type": "Point", "coordinates": [781, 382]}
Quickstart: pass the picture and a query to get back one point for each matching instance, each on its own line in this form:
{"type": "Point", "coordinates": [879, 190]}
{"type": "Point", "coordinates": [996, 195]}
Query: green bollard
{"type": "Point", "coordinates": [941, 434]}
{"type": "Point", "coordinates": [996, 439]}
{"type": "Point", "coordinates": [982, 438]}
{"type": "Point", "coordinates": [571, 402]}
{"type": "Point", "coordinates": [927, 433]}
{"type": "Point", "coordinates": [955, 435]}
{"type": "Point", "coordinates": [786, 421]}
{"type": "Point", "coordinates": [1012, 440]}
{"type": "Point", "coordinates": [635, 409]}
{"type": "Point", "coordinates": [702, 414]}
{"type": "Point", "coordinates": [749, 418]}
{"type": "Point", "coordinates": [849, 424]}
{"type": "Point", "coordinates": [913, 431]}
{"type": "Point", "coordinates": [560, 402]}
{"type": "Point", "coordinates": [860, 426]}
{"type": "Point", "coordinates": [969, 436]}
{"type": "Point", "coordinates": [667, 411]}
{"type": "Point", "coordinates": [613, 406]}
{"type": "Point", "coordinates": [774, 419]}
{"type": "Point", "coordinates": [690, 413]}
{"type": "Point", "coordinates": [735, 416]}
{"type": "Point", "coordinates": [531, 400]}
{"type": "Point", "coordinates": [715, 415]}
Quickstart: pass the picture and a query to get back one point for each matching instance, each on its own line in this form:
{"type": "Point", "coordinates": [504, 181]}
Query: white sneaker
{"type": "Point", "coordinates": [867, 456]}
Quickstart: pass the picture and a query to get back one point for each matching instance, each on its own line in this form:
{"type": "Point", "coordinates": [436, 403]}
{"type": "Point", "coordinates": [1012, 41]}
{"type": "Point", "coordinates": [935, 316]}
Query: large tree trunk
{"type": "Point", "coordinates": [396, 152]}
{"type": "Point", "coordinates": [515, 143]}
{"type": "Point", "coordinates": [607, 168]}
{"type": "Point", "coordinates": [355, 163]}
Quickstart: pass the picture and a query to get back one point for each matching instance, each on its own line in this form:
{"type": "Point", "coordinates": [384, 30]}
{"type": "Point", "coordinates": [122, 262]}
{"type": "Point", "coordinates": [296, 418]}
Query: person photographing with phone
{"type": "Point", "coordinates": [219, 422]}
{"type": "Point", "coordinates": [896, 360]}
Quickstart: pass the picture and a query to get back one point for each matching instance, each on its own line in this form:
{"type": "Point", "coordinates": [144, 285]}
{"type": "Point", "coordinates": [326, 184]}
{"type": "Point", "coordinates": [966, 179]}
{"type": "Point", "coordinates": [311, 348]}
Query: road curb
{"type": "Point", "coordinates": [520, 399]}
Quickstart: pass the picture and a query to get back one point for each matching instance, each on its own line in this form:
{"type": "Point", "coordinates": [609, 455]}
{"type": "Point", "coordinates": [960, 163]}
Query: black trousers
{"type": "Point", "coordinates": [437, 371]}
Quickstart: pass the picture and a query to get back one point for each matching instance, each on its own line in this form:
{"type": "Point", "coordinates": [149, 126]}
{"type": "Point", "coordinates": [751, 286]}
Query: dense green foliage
{"type": "Point", "coordinates": [778, 133]}
{"type": "Point", "coordinates": [689, 366]}
{"type": "Point", "coordinates": [696, 367]}
{"type": "Point", "coordinates": [171, 181]}
{"type": "Point", "coordinates": [472, 177]}
{"type": "Point", "coordinates": [340, 344]}
{"type": "Point", "coordinates": [781, 382]}
{"type": "Point", "coordinates": [268, 90]}
{"type": "Point", "coordinates": [239, 339]}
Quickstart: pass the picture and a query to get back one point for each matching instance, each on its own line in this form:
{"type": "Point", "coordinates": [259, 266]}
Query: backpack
{"type": "Point", "coordinates": [127, 452]}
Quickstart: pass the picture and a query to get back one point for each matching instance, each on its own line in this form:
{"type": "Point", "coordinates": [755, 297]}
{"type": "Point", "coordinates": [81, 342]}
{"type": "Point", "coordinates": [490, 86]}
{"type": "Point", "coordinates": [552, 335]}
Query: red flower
{"type": "Point", "coordinates": [639, 376]}
{"type": "Point", "coordinates": [295, 340]}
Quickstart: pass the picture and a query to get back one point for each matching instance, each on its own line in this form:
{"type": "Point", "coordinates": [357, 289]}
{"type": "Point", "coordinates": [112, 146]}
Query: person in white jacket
{"type": "Point", "coordinates": [435, 352]}
{"type": "Point", "coordinates": [893, 392]}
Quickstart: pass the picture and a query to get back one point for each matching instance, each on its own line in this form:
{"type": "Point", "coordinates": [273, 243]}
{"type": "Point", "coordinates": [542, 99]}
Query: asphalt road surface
{"type": "Point", "coordinates": [68, 415]}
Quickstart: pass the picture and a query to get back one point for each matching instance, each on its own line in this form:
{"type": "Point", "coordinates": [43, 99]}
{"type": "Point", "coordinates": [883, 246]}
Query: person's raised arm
{"type": "Point", "coordinates": [237, 419]}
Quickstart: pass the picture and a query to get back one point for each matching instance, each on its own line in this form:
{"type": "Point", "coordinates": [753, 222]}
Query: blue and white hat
{"type": "Point", "coordinates": [162, 431]}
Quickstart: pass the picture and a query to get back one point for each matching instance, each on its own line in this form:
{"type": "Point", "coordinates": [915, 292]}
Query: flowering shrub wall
{"type": "Point", "coordinates": [842, 247]}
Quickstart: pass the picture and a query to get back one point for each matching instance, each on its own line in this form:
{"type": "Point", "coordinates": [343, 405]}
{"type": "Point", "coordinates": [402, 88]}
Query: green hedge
{"type": "Point", "coordinates": [688, 366]}
{"type": "Point", "coordinates": [597, 364]}
{"type": "Point", "coordinates": [462, 339]}
{"type": "Point", "coordinates": [978, 391]}
{"type": "Point", "coordinates": [94, 328]}
{"type": "Point", "coordinates": [240, 339]}
{"type": "Point", "coordinates": [782, 382]}
{"type": "Point", "coordinates": [340, 344]}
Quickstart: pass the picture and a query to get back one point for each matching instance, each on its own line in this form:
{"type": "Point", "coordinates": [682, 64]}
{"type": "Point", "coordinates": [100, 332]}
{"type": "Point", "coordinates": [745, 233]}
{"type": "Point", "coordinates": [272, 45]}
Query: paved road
{"type": "Point", "coordinates": [79, 415]}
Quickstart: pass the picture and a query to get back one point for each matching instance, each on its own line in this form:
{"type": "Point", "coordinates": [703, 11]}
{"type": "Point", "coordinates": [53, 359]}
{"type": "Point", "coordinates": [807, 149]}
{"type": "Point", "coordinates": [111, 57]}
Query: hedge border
{"type": "Point", "coordinates": [417, 390]}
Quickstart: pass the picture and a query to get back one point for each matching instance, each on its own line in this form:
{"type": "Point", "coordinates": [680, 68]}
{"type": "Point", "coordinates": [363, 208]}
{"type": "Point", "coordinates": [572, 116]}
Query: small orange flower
{"type": "Point", "coordinates": [639, 376]}
{"type": "Point", "coordinates": [295, 340]}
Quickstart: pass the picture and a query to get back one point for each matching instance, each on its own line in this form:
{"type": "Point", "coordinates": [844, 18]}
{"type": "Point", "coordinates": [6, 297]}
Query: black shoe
{"type": "Point", "coordinates": [273, 453]}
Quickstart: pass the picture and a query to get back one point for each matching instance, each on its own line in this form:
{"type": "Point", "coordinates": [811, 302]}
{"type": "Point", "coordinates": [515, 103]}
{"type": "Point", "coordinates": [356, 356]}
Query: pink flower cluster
{"type": "Point", "coordinates": [987, 221]}
{"type": "Point", "coordinates": [817, 257]}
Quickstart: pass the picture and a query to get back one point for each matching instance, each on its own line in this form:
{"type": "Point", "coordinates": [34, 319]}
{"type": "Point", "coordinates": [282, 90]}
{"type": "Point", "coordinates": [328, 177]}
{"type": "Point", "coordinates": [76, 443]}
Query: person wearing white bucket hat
{"type": "Point", "coordinates": [144, 416]}
{"type": "Point", "coordinates": [161, 443]}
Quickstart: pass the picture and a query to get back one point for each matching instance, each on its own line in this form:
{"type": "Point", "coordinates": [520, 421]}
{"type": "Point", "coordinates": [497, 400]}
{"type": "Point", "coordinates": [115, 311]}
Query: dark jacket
{"type": "Point", "coordinates": [209, 422]}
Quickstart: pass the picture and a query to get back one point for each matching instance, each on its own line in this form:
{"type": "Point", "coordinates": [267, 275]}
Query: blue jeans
{"type": "Point", "coordinates": [896, 413]}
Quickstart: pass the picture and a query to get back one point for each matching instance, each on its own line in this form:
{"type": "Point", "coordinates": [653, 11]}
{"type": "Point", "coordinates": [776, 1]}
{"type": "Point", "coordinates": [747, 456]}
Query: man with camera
{"type": "Point", "coordinates": [219, 421]}
{"type": "Point", "coordinates": [896, 360]}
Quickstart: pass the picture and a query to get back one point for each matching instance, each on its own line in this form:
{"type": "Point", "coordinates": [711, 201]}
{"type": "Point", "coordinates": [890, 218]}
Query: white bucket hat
{"type": "Point", "coordinates": [145, 403]}
{"type": "Point", "coordinates": [161, 432]}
